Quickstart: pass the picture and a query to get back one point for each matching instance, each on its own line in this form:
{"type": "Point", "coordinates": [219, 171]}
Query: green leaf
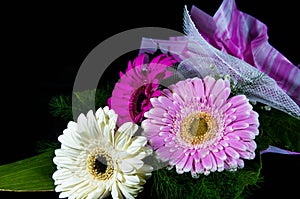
{"type": "Point", "coordinates": [278, 129]}
{"type": "Point", "coordinates": [240, 184]}
{"type": "Point", "coordinates": [70, 106]}
{"type": "Point", "coordinates": [33, 174]}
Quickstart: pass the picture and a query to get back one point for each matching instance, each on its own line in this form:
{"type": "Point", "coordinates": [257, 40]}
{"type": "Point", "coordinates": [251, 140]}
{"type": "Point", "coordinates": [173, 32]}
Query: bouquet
{"type": "Point", "coordinates": [189, 117]}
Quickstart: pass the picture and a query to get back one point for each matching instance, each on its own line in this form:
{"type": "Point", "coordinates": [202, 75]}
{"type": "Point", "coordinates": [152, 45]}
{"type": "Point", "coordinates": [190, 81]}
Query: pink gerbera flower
{"type": "Point", "coordinates": [197, 128]}
{"type": "Point", "coordinates": [131, 95]}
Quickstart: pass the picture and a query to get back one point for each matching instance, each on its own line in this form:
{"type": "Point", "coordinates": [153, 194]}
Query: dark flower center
{"type": "Point", "coordinates": [100, 165]}
{"type": "Point", "coordinates": [140, 102]}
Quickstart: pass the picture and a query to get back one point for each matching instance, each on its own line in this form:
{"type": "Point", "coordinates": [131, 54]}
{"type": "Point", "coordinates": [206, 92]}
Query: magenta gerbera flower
{"type": "Point", "coordinates": [131, 95]}
{"type": "Point", "coordinates": [197, 128]}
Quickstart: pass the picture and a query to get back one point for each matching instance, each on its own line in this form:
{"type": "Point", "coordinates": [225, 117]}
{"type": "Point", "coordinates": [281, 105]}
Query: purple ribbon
{"type": "Point", "coordinates": [245, 37]}
{"type": "Point", "coordinates": [274, 149]}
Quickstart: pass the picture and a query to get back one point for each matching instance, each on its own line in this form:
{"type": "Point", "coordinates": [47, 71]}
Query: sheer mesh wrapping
{"type": "Point", "coordinates": [199, 58]}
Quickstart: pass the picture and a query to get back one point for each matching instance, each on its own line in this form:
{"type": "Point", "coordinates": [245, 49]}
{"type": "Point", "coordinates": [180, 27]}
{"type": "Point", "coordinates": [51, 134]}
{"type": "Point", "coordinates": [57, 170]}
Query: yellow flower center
{"type": "Point", "coordinates": [198, 128]}
{"type": "Point", "coordinates": [100, 165]}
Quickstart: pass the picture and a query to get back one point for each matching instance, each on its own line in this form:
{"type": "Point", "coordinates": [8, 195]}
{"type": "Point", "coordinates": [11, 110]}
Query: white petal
{"type": "Point", "coordinates": [109, 134]}
{"type": "Point", "coordinates": [115, 192]}
{"type": "Point", "coordinates": [93, 128]}
{"type": "Point", "coordinates": [71, 182]}
{"type": "Point", "coordinates": [67, 140]}
{"type": "Point", "coordinates": [132, 179]}
{"type": "Point", "coordinates": [137, 163]}
{"type": "Point", "coordinates": [136, 144]}
{"type": "Point", "coordinates": [124, 134]}
{"type": "Point", "coordinates": [73, 126]}
{"type": "Point", "coordinates": [100, 192]}
{"type": "Point", "coordinates": [100, 116]}
{"type": "Point", "coordinates": [82, 123]}
{"type": "Point", "coordinates": [126, 168]}
{"type": "Point", "coordinates": [64, 194]}
{"type": "Point", "coordinates": [125, 192]}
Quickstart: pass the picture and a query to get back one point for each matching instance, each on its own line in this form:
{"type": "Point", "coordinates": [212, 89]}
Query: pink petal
{"type": "Point", "coordinates": [240, 163]}
{"type": "Point", "coordinates": [206, 162]}
{"type": "Point", "coordinates": [189, 164]}
{"type": "Point", "coordinates": [180, 164]}
{"type": "Point", "coordinates": [198, 88]}
{"type": "Point", "coordinates": [203, 152]}
{"type": "Point", "coordinates": [214, 162]}
{"type": "Point", "coordinates": [238, 145]}
{"type": "Point", "coordinates": [156, 142]}
{"type": "Point", "coordinates": [238, 100]}
{"type": "Point", "coordinates": [176, 156]}
{"type": "Point", "coordinates": [245, 134]}
{"type": "Point", "coordinates": [232, 153]}
{"type": "Point", "coordinates": [199, 167]}
{"type": "Point", "coordinates": [245, 155]}
{"type": "Point", "coordinates": [222, 97]}
{"type": "Point", "coordinates": [251, 145]}
{"type": "Point", "coordinates": [163, 153]}
{"type": "Point", "coordinates": [165, 101]}
{"type": "Point", "coordinates": [220, 155]}
{"type": "Point", "coordinates": [208, 84]}
{"type": "Point", "coordinates": [219, 162]}
{"type": "Point", "coordinates": [230, 163]}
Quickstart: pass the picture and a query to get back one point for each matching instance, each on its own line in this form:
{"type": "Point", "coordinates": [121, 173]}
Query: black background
{"type": "Point", "coordinates": [44, 45]}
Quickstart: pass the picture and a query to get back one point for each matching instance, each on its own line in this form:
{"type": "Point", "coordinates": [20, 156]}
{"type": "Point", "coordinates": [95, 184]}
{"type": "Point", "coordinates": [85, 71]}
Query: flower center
{"type": "Point", "coordinates": [198, 128]}
{"type": "Point", "coordinates": [100, 165]}
{"type": "Point", "coordinates": [135, 106]}
{"type": "Point", "coordinates": [139, 102]}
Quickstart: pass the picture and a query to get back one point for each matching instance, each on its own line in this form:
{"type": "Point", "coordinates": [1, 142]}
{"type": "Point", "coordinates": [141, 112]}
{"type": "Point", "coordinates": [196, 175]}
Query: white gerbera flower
{"type": "Point", "coordinates": [96, 159]}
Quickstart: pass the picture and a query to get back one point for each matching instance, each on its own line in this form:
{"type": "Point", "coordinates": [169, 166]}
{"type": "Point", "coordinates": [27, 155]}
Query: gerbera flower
{"type": "Point", "coordinates": [131, 95]}
{"type": "Point", "coordinates": [195, 127]}
{"type": "Point", "coordinates": [95, 159]}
